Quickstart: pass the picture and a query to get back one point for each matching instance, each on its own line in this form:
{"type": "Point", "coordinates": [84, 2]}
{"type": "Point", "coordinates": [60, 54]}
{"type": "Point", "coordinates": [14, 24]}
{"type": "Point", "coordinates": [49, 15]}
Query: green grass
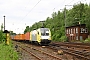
{"type": "Point", "coordinates": [7, 52]}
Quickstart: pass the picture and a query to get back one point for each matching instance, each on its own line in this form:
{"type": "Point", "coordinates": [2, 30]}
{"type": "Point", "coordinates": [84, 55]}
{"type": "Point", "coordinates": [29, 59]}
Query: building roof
{"type": "Point", "coordinates": [6, 31]}
{"type": "Point", "coordinates": [76, 25]}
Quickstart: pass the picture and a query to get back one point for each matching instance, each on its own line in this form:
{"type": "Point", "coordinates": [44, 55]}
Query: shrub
{"type": "Point", "coordinates": [87, 40]}
{"type": "Point", "coordinates": [63, 39]}
{"type": "Point", "coordinates": [2, 36]}
{"type": "Point", "coordinates": [7, 52]}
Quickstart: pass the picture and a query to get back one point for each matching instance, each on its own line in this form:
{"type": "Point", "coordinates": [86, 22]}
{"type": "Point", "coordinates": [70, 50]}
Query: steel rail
{"type": "Point", "coordinates": [46, 53]}
{"type": "Point", "coordinates": [31, 53]}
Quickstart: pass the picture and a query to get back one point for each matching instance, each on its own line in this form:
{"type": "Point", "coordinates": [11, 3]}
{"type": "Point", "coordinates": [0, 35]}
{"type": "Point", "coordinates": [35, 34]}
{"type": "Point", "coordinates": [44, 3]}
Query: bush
{"type": "Point", "coordinates": [2, 36]}
{"type": "Point", "coordinates": [87, 40]}
{"type": "Point", "coordinates": [7, 52]}
{"type": "Point", "coordinates": [63, 39]}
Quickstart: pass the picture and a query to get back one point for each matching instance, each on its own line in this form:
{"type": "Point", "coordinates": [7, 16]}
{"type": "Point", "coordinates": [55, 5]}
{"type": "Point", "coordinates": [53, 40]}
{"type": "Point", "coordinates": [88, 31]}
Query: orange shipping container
{"type": "Point", "coordinates": [17, 37]}
{"type": "Point", "coordinates": [21, 37]}
{"type": "Point", "coordinates": [27, 36]}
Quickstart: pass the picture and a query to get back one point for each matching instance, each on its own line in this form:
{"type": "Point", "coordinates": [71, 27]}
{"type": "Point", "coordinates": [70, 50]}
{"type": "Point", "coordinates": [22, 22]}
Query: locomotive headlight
{"type": "Point", "coordinates": [47, 31]}
{"type": "Point", "coordinates": [45, 37]}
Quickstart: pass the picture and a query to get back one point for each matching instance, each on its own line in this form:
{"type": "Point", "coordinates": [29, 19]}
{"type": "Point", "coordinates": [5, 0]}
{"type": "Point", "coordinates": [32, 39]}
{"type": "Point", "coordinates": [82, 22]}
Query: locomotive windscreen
{"type": "Point", "coordinates": [44, 31]}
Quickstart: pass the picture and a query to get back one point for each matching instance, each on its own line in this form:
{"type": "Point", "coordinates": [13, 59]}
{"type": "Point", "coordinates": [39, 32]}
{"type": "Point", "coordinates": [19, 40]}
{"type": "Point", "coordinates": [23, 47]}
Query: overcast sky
{"type": "Point", "coordinates": [22, 13]}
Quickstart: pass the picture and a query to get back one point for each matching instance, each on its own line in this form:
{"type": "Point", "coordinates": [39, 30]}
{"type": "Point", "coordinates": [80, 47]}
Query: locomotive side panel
{"type": "Point", "coordinates": [33, 35]}
{"type": "Point", "coordinates": [38, 35]}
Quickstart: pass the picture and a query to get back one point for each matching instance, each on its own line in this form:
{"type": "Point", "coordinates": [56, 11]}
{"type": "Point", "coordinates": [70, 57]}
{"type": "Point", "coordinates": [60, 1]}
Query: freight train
{"type": "Point", "coordinates": [41, 36]}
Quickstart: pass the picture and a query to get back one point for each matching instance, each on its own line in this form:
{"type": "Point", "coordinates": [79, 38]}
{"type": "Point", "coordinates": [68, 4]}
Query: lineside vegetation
{"type": "Point", "coordinates": [6, 51]}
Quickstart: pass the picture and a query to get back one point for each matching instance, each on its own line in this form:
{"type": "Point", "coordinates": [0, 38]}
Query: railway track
{"type": "Point", "coordinates": [77, 45]}
{"type": "Point", "coordinates": [45, 53]}
{"type": "Point", "coordinates": [78, 53]}
{"type": "Point", "coordinates": [79, 50]}
{"type": "Point", "coordinates": [37, 53]}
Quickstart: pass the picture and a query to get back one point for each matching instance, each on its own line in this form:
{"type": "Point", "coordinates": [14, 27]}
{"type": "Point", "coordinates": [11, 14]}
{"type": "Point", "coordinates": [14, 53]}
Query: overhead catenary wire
{"type": "Point", "coordinates": [70, 2]}
{"type": "Point", "coordinates": [63, 3]}
{"type": "Point", "coordinates": [36, 5]}
{"type": "Point", "coordinates": [32, 8]}
{"type": "Point", "coordinates": [59, 5]}
{"type": "Point", "coordinates": [30, 11]}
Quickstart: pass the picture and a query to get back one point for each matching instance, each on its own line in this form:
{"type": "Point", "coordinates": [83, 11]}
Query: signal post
{"type": "Point", "coordinates": [7, 41]}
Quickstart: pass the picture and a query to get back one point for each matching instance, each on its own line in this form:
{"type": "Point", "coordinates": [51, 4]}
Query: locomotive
{"type": "Point", "coordinates": [41, 36]}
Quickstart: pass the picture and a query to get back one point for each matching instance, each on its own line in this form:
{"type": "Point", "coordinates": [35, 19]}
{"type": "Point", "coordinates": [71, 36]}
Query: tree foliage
{"type": "Point", "coordinates": [2, 35]}
{"type": "Point", "coordinates": [27, 29]}
{"type": "Point", "coordinates": [12, 33]}
{"type": "Point", "coordinates": [56, 23]}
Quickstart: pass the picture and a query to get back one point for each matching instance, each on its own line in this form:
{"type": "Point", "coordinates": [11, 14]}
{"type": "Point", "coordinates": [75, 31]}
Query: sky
{"type": "Point", "coordinates": [21, 13]}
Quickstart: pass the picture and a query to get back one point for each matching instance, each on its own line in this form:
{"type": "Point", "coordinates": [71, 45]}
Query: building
{"type": "Point", "coordinates": [77, 32]}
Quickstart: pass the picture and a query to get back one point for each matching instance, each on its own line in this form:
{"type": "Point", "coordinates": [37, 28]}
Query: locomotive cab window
{"type": "Point", "coordinates": [42, 34]}
{"type": "Point", "coordinates": [44, 31]}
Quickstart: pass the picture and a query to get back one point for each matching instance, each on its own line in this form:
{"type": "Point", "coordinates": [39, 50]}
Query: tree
{"type": "Point", "coordinates": [27, 29]}
{"type": "Point", "coordinates": [2, 35]}
{"type": "Point", "coordinates": [12, 33]}
{"type": "Point", "coordinates": [2, 27]}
